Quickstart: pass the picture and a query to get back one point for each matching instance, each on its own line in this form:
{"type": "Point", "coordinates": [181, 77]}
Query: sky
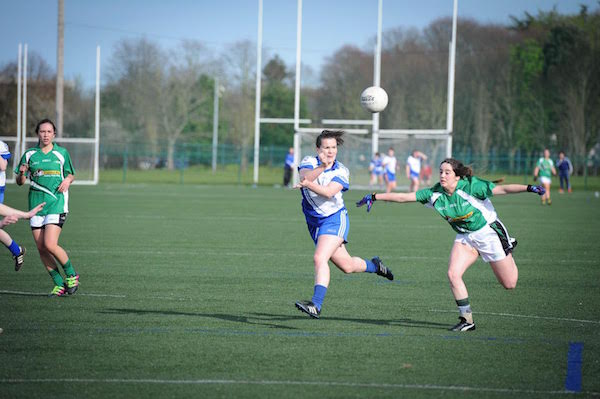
{"type": "Point", "coordinates": [327, 25]}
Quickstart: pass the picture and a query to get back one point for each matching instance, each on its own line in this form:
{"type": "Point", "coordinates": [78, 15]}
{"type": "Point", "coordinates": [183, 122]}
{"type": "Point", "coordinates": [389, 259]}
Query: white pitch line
{"type": "Point", "coordinates": [522, 316]}
{"type": "Point", "coordinates": [305, 383]}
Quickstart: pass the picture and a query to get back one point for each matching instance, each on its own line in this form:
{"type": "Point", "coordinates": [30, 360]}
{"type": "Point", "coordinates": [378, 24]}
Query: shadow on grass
{"type": "Point", "coordinates": [378, 322]}
{"type": "Point", "coordinates": [275, 320]}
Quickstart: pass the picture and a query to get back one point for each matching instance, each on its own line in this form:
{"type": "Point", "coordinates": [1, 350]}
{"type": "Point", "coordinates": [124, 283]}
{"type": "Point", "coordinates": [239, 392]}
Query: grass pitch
{"type": "Point", "coordinates": [188, 291]}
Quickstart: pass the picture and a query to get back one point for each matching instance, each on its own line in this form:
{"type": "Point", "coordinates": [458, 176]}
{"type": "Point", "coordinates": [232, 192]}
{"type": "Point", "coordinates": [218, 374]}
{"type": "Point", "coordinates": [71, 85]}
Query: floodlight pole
{"type": "Point", "coordinates": [377, 78]}
{"type": "Point", "coordinates": [215, 137]}
{"type": "Point", "coordinates": [19, 73]}
{"type": "Point", "coordinates": [297, 89]}
{"type": "Point", "coordinates": [24, 117]}
{"type": "Point", "coordinates": [258, 93]}
{"type": "Point", "coordinates": [97, 121]}
{"type": "Point", "coordinates": [451, 74]}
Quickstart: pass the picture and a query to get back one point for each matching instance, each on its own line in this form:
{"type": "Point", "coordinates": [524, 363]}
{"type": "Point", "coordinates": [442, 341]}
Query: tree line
{"type": "Point", "coordinates": [519, 88]}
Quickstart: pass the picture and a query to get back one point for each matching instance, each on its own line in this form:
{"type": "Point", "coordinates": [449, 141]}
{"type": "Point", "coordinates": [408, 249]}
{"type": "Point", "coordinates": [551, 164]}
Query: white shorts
{"type": "Point", "coordinates": [491, 241]}
{"type": "Point", "coordinates": [37, 222]}
{"type": "Point", "coordinates": [545, 180]}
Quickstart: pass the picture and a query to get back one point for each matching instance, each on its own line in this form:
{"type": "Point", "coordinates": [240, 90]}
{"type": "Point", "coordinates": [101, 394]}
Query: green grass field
{"type": "Point", "coordinates": [188, 291]}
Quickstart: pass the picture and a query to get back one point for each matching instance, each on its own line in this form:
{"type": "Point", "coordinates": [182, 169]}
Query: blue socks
{"type": "Point", "coordinates": [371, 268]}
{"type": "Point", "coordinates": [14, 248]}
{"type": "Point", "coordinates": [319, 295]}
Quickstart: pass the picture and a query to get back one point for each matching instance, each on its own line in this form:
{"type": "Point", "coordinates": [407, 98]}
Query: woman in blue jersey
{"type": "Point", "coordinates": [464, 201]}
{"type": "Point", "coordinates": [322, 181]}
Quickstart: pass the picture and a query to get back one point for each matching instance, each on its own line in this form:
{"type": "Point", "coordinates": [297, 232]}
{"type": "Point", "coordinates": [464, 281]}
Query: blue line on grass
{"type": "Point", "coordinates": [573, 380]}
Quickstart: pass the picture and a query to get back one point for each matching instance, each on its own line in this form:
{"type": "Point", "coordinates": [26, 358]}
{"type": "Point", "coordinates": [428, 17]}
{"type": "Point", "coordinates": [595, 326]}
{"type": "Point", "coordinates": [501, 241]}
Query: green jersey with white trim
{"type": "Point", "coordinates": [46, 172]}
{"type": "Point", "coordinates": [468, 209]}
{"type": "Point", "coordinates": [545, 166]}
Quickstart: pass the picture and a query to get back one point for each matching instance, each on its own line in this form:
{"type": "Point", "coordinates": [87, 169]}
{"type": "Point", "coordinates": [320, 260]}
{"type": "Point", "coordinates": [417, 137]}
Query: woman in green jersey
{"type": "Point", "coordinates": [464, 201]}
{"type": "Point", "coordinates": [50, 173]}
{"type": "Point", "coordinates": [544, 169]}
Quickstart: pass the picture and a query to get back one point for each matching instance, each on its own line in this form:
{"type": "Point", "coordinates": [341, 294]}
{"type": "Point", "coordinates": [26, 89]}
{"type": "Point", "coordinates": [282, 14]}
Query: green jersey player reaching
{"type": "Point", "coordinates": [463, 200]}
{"type": "Point", "coordinates": [50, 173]}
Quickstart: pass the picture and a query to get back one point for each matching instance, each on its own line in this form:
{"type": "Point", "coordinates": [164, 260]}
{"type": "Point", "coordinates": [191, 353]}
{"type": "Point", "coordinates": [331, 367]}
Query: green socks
{"type": "Point", "coordinates": [56, 277]}
{"type": "Point", "coordinates": [68, 268]}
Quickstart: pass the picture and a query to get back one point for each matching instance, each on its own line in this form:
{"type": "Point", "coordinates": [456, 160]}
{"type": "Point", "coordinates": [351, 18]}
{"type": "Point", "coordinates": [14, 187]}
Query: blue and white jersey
{"type": "Point", "coordinates": [376, 166]}
{"type": "Point", "coordinates": [390, 164]}
{"type": "Point", "coordinates": [5, 154]}
{"type": "Point", "coordinates": [414, 164]}
{"type": "Point", "coordinates": [315, 205]}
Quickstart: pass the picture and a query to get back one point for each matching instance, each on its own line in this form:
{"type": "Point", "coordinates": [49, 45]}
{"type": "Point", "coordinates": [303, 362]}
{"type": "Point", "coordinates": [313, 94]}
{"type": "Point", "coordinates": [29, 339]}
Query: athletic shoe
{"type": "Point", "coordinates": [58, 291]}
{"type": "Point", "coordinates": [72, 284]}
{"type": "Point", "coordinates": [549, 202]}
{"type": "Point", "coordinates": [19, 259]}
{"type": "Point", "coordinates": [309, 308]}
{"type": "Point", "coordinates": [463, 325]}
{"type": "Point", "coordinates": [381, 269]}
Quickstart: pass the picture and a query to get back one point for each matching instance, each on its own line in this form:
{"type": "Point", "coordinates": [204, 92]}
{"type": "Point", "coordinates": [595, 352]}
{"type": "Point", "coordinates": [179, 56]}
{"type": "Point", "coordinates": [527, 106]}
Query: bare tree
{"type": "Point", "coordinates": [240, 63]}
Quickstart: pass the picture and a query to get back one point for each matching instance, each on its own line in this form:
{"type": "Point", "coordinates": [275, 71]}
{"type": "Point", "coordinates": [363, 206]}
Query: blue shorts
{"type": "Point", "coordinates": [1, 195]}
{"type": "Point", "coordinates": [414, 175]}
{"type": "Point", "coordinates": [390, 176]}
{"type": "Point", "coordinates": [337, 224]}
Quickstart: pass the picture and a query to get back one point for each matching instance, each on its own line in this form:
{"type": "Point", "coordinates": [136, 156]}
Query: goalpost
{"type": "Point", "coordinates": [360, 142]}
{"type": "Point", "coordinates": [84, 151]}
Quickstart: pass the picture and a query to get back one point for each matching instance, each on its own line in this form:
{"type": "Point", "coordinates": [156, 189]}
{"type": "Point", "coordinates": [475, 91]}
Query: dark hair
{"type": "Point", "coordinates": [40, 123]}
{"type": "Point", "coordinates": [330, 134]}
{"type": "Point", "coordinates": [459, 169]}
{"type": "Point", "coordinates": [561, 152]}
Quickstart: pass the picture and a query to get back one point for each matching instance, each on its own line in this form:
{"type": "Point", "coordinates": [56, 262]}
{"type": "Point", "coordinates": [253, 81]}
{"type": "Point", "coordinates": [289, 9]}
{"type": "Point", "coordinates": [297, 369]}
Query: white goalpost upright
{"type": "Point", "coordinates": [84, 151]}
{"type": "Point", "coordinates": [361, 147]}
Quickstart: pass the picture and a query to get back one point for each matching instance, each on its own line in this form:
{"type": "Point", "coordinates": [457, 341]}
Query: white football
{"type": "Point", "coordinates": [374, 99]}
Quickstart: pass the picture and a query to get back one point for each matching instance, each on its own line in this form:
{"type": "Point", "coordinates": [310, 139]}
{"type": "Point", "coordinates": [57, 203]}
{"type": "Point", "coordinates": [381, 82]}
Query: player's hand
{"type": "Point", "coordinates": [35, 210]}
{"type": "Point", "coordinates": [64, 186]}
{"type": "Point", "coordinates": [10, 219]}
{"type": "Point", "coordinates": [304, 182]}
{"type": "Point", "coordinates": [540, 190]}
{"type": "Point", "coordinates": [367, 200]}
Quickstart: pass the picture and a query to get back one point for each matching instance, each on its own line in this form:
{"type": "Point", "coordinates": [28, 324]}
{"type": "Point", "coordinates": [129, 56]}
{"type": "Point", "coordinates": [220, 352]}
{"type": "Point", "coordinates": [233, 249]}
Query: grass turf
{"type": "Point", "coordinates": [188, 291]}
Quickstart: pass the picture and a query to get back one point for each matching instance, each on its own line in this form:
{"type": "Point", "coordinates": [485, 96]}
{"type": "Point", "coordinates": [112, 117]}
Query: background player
{"type": "Point", "coordinates": [18, 252]}
{"type": "Point", "coordinates": [322, 181]}
{"type": "Point", "coordinates": [463, 200]}
{"type": "Point", "coordinates": [413, 169]}
{"type": "Point", "coordinates": [376, 169]}
{"type": "Point", "coordinates": [544, 170]}
{"type": "Point", "coordinates": [390, 164]}
{"type": "Point", "coordinates": [50, 171]}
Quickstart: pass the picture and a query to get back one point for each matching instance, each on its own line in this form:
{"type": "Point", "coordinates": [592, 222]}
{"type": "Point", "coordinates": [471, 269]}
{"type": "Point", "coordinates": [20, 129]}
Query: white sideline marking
{"type": "Point", "coordinates": [308, 383]}
{"type": "Point", "coordinates": [523, 316]}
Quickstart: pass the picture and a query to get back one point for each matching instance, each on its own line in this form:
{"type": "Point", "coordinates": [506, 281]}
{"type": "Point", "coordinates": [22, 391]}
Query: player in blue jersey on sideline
{"type": "Point", "coordinates": [18, 252]}
{"type": "Point", "coordinates": [322, 181]}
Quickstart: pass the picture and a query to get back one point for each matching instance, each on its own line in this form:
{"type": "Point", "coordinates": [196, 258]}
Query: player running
{"type": "Point", "coordinates": [50, 172]}
{"type": "Point", "coordinates": [390, 163]}
{"type": "Point", "coordinates": [322, 181]}
{"type": "Point", "coordinates": [18, 252]}
{"type": "Point", "coordinates": [544, 170]}
{"type": "Point", "coordinates": [413, 169]}
{"type": "Point", "coordinates": [464, 201]}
